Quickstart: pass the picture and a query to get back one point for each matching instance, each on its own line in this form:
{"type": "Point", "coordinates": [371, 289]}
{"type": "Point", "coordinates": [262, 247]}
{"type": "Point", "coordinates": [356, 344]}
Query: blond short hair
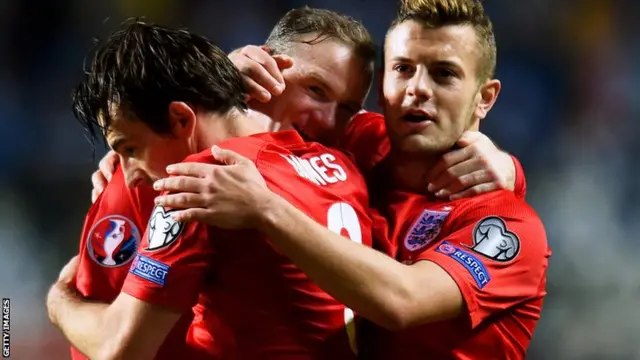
{"type": "Point", "coordinates": [439, 13]}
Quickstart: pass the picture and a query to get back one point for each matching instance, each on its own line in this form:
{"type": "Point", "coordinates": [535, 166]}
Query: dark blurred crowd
{"type": "Point", "coordinates": [568, 110]}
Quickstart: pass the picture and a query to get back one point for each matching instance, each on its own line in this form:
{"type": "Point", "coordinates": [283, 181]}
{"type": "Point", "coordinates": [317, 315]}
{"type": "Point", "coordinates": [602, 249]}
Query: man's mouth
{"type": "Point", "coordinates": [416, 117]}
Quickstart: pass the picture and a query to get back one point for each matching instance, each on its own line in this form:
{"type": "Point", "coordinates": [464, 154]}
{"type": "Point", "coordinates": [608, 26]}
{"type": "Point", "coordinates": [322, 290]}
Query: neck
{"type": "Point", "coordinates": [236, 123]}
{"type": "Point", "coordinates": [409, 171]}
{"type": "Point", "coordinates": [265, 113]}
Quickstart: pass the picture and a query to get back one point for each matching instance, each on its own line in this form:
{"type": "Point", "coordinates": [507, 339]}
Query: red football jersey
{"type": "Point", "coordinates": [108, 244]}
{"type": "Point", "coordinates": [493, 245]}
{"type": "Point", "coordinates": [274, 310]}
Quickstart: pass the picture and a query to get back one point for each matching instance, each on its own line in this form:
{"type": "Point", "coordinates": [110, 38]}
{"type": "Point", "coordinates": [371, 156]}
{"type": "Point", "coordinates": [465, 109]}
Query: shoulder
{"type": "Point", "coordinates": [365, 117]}
{"type": "Point", "coordinates": [499, 220]}
{"type": "Point", "coordinates": [116, 196]}
{"type": "Point", "coordinates": [366, 139]}
{"type": "Point", "coordinates": [114, 215]}
{"type": "Point", "coordinates": [503, 202]}
{"type": "Point", "coordinates": [202, 157]}
{"type": "Point", "coordinates": [365, 124]}
{"type": "Point", "coordinates": [248, 147]}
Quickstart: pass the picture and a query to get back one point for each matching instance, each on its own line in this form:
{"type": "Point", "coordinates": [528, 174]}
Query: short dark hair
{"type": "Point", "coordinates": [141, 68]}
{"type": "Point", "coordinates": [324, 24]}
{"type": "Point", "coordinates": [439, 13]}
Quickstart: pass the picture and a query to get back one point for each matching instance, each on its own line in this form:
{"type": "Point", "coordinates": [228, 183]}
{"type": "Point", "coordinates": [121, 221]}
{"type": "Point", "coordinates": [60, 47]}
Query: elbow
{"type": "Point", "coordinates": [118, 349]}
{"type": "Point", "coordinates": [394, 319]}
{"type": "Point", "coordinates": [397, 311]}
{"type": "Point", "coordinates": [116, 354]}
{"type": "Point", "coordinates": [111, 350]}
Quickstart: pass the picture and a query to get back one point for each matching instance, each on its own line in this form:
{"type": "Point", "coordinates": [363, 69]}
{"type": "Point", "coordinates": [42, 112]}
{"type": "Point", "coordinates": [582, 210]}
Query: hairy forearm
{"type": "Point", "coordinates": [372, 284]}
{"type": "Point", "coordinates": [80, 320]}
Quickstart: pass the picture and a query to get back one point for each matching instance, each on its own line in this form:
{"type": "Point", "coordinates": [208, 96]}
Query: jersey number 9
{"type": "Point", "coordinates": [342, 216]}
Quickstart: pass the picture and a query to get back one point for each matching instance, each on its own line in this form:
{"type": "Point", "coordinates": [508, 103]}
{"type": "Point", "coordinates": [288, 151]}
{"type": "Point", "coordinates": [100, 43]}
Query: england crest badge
{"type": "Point", "coordinates": [425, 229]}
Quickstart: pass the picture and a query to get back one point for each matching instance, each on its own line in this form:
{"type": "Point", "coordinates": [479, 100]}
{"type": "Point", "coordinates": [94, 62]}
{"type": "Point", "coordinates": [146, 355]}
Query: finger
{"type": "Point", "coordinates": [179, 184]}
{"type": "Point", "coordinates": [283, 61]}
{"type": "Point", "coordinates": [98, 181]}
{"type": "Point", "coordinates": [108, 164]}
{"type": "Point", "coordinates": [181, 200]}
{"type": "Point", "coordinates": [68, 271]}
{"type": "Point", "coordinates": [473, 191]}
{"type": "Point", "coordinates": [257, 70]}
{"type": "Point", "coordinates": [190, 215]}
{"type": "Point", "coordinates": [228, 157]}
{"type": "Point", "coordinates": [452, 174]}
{"type": "Point", "coordinates": [447, 161]}
{"type": "Point", "coordinates": [266, 49]}
{"type": "Point", "coordinates": [255, 91]}
{"type": "Point", "coordinates": [94, 195]}
{"type": "Point", "coordinates": [266, 61]}
{"type": "Point", "coordinates": [194, 169]}
{"type": "Point", "coordinates": [73, 263]}
{"type": "Point", "coordinates": [467, 181]}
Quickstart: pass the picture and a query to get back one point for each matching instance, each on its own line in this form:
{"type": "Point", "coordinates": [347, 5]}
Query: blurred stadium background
{"type": "Point", "coordinates": [570, 97]}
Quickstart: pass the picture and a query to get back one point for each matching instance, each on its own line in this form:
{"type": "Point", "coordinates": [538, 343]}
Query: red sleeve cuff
{"type": "Point", "coordinates": [158, 296]}
{"type": "Point", "coordinates": [178, 293]}
{"type": "Point", "coordinates": [460, 275]}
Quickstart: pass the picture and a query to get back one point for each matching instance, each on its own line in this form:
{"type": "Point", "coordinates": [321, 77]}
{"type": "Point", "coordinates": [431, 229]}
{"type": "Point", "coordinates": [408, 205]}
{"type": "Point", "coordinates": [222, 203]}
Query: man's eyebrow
{"type": "Point", "coordinates": [401, 59]}
{"type": "Point", "coordinates": [448, 63]}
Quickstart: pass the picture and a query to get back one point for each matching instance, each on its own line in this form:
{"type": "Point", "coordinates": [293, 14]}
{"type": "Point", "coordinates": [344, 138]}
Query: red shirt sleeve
{"type": "Point", "coordinates": [172, 262]}
{"type": "Point", "coordinates": [520, 188]}
{"type": "Point", "coordinates": [366, 139]}
{"type": "Point", "coordinates": [498, 256]}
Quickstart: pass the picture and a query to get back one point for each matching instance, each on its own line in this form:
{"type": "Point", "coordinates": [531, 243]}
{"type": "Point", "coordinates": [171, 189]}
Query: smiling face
{"type": "Point", "coordinates": [325, 88]}
{"type": "Point", "coordinates": [431, 90]}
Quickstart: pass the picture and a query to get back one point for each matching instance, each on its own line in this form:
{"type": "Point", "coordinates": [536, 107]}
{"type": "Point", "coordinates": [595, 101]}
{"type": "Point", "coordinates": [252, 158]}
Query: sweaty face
{"type": "Point", "coordinates": [326, 86]}
{"type": "Point", "coordinates": [144, 154]}
{"type": "Point", "coordinates": [430, 86]}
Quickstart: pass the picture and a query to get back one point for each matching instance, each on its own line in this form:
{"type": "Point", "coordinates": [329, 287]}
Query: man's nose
{"type": "Point", "coordinates": [420, 85]}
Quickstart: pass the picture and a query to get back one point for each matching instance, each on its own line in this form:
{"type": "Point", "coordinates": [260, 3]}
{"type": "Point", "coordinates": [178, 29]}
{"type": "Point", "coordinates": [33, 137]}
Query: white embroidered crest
{"type": "Point", "coordinates": [425, 229]}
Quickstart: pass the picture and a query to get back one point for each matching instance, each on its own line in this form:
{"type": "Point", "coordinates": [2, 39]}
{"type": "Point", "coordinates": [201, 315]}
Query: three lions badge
{"type": "Point", "coordinates": [425, 229]}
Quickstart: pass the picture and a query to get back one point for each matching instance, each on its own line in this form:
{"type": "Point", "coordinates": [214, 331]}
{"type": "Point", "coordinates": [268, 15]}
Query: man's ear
{"type": "Point", "coordinates": [182, 120]}
{"type": "Point", "coordinates": [487, 97]}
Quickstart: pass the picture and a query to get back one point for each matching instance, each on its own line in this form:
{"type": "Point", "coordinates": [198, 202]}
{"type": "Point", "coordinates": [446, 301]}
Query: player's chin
{"type": "Point", "coordinates": [421, 143]}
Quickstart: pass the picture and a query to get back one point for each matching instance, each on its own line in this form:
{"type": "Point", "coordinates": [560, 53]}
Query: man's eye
{"type": "Point", "coordinates": [446, 73]}
{"type": "Point", "coordinates": [317, 90]}
{"type": "Point", "coordinates": [128, 151]}
{"type": "Point", "coordinates": [402, 68]}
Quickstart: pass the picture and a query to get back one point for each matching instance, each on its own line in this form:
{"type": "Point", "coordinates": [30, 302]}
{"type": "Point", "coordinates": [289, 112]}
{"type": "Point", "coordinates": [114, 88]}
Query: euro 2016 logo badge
{"type": "Point", "coordinates": [425, 229]}
{"type": "Point", "coordinates": [113, 241]}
